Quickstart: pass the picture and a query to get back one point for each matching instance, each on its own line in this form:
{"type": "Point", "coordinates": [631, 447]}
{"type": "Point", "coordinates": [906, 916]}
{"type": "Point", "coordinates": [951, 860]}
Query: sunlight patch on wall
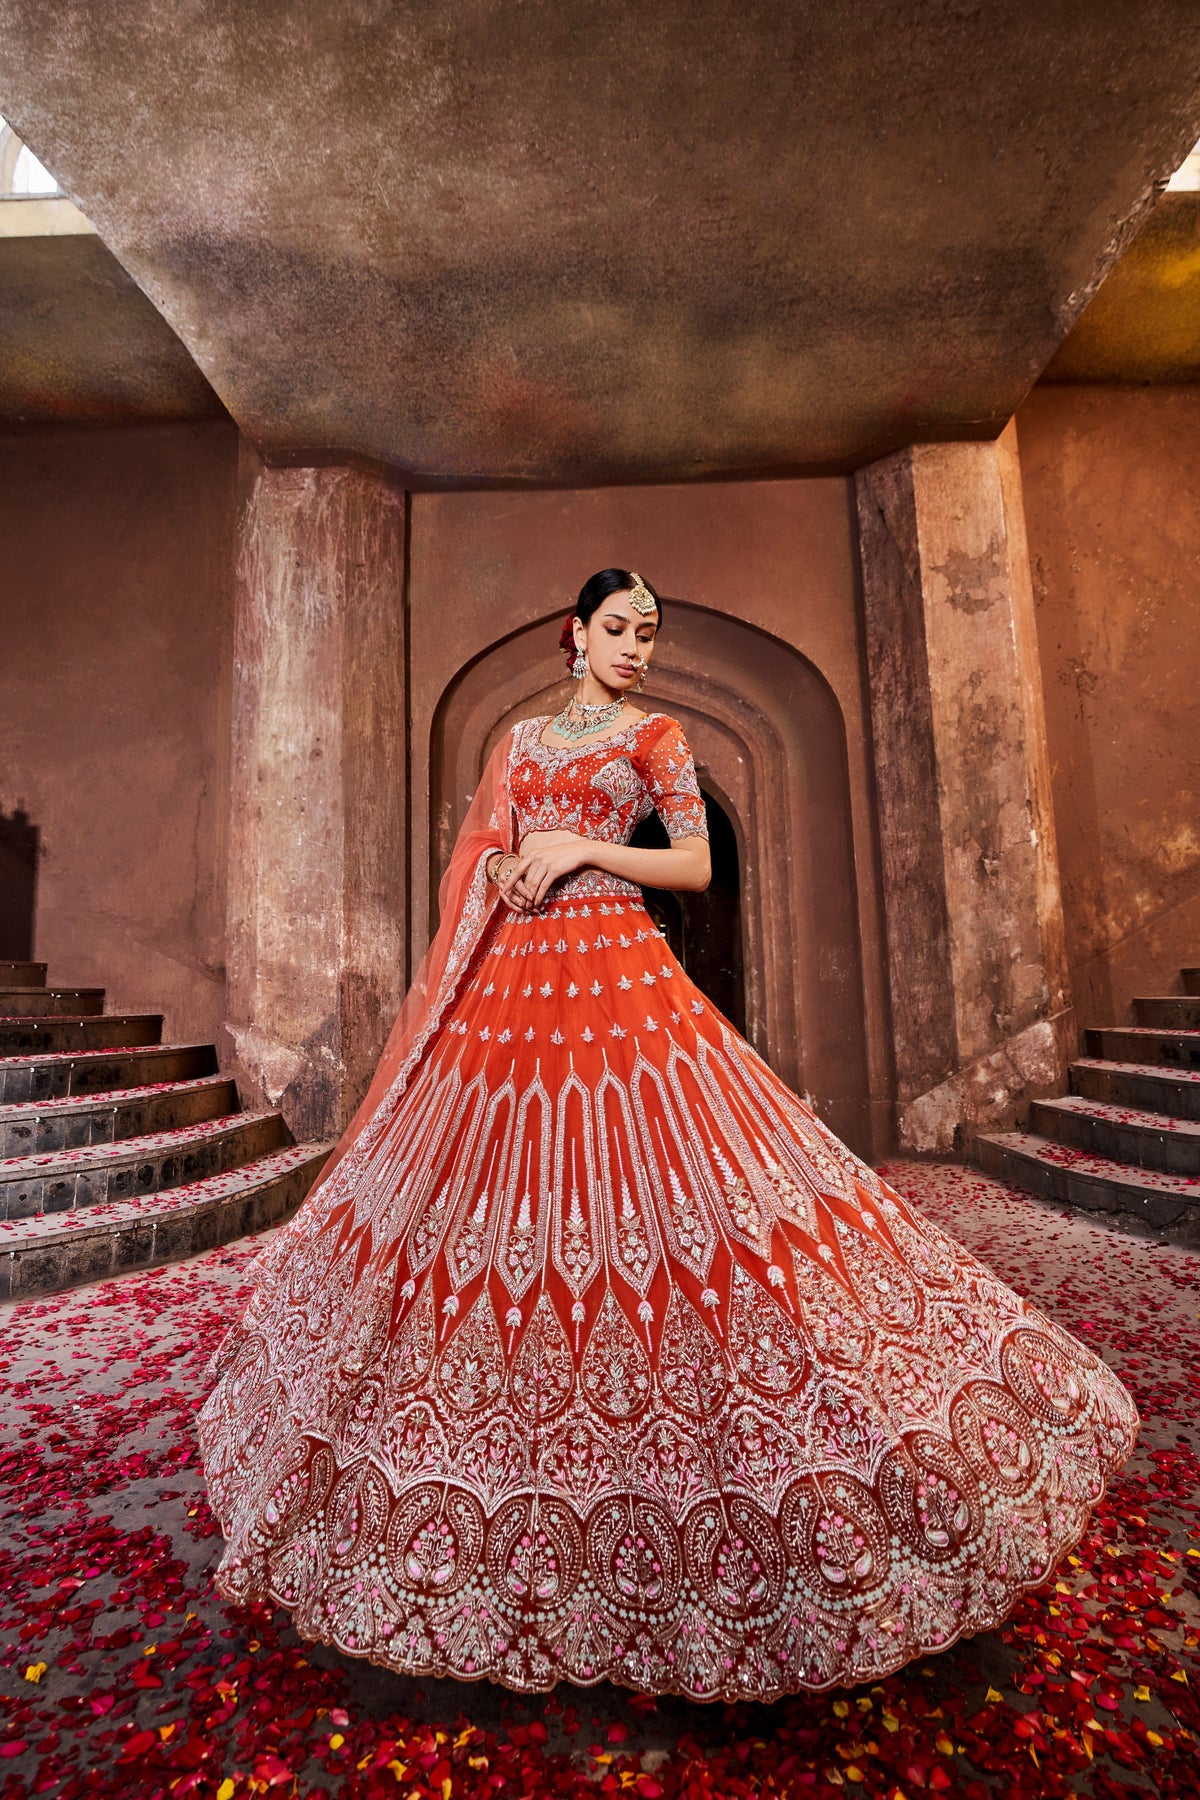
{"type": "Point", "coordinates": [1186, 179]}
{"type": "Point", "coordinates": [21, 174]}
{"type": "Point", "coordinates": [32, 204]}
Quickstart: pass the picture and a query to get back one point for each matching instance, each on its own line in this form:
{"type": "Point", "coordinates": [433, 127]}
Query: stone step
{"type": "Point", "coordinates": [1148, 1087]}
{"type": "Point", "coordinates": [63, 1249]}
{"type": "Point", "coordinates": [28, 1080]}
{"type": "Point", "coordinates": [1136, 1043]}
{"type": "Point", "coordinates": [1168, 1012]}
{"type": "Point", "coordinates": [22, 974]}
{"type": "Point", "coordinates": [65, 1180]}
{"type": "Point", "coordinates": [1147, 1140]}
{"type": "Point", "coordinates": [1191, 980]}
{"type": "Point", "coordinates": [108, 1031]}
{"type": "Point", "coordinates": [106, 1117]}
{"type": "Point", "coordinates": [1146, 1202]}
{"type": "Point", "coordinates": [30, 1002]}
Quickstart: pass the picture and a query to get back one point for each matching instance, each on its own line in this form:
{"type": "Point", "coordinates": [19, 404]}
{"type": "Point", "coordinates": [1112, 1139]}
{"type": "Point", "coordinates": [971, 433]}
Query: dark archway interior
{"type": "Point", "coordinates": [18, 885]}
{"type": "Point", "coordinates": [705, 930]}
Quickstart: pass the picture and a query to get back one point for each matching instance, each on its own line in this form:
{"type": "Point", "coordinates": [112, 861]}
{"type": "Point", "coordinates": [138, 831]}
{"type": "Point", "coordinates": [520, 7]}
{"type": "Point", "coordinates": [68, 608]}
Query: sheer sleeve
{"type": "Point", "coordinates": [670, 776]}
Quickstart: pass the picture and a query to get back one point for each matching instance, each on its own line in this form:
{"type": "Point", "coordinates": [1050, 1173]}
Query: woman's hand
{"type": "Point", "coordinates": [544, 858]}
{"type": "Point", "coordinates": [501, 870]}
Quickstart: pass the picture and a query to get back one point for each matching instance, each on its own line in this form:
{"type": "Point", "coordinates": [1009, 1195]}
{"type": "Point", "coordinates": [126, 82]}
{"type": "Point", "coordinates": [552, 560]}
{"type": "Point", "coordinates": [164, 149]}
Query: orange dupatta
{"type": "Point", "coordinates": [467, 901]}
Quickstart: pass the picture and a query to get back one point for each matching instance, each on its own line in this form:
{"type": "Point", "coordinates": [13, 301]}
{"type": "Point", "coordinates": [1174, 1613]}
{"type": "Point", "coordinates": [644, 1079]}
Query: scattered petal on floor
{"type": "Point", "coordinates": [122, 1673]}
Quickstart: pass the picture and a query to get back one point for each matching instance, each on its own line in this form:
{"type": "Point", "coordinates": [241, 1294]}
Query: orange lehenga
{"type": "Point", "coordinates": [594, 1354]}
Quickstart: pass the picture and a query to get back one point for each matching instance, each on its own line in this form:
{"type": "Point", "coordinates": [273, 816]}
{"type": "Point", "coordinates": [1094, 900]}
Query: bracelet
{"type": "Point", "coordinates": [494, 874]}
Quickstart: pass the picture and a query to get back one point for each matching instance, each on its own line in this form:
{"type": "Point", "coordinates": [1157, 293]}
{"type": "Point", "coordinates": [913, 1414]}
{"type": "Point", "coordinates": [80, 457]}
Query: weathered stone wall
{"type": "Point", "coordinates": [318, 834]}
{"type": "Point", "coordinates": [115, 651]}
{"type": "Point", "coordinates": [364, 670]}
{"type": "Point", "coordinates": [1112, 495]}
{"type": "Point", "coordinates": [980, 1007]}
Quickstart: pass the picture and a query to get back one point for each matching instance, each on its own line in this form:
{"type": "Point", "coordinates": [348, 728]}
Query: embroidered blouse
{"type": "Point", "coordinates": [604, 790]}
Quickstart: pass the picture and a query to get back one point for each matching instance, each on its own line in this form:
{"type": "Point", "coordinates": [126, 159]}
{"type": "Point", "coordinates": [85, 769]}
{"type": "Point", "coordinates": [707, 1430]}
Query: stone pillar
{"type": "Point", "coordinates": [981, 1012]}
{"type": "Point", "coordinates": [318, 841]}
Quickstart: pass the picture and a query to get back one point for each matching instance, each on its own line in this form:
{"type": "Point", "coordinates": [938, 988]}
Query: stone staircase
{"type": "Point", "coordinates": [118, 1151]}
{"type": "Point", "coordinates": [1125, 1142]}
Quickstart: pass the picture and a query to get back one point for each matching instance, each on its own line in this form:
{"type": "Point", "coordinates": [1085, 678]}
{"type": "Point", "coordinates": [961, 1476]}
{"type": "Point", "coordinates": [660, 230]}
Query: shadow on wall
{"type": "Point", "coordinates": [770, 747]}
{"type": "Point", "coordinates": [19, 851]}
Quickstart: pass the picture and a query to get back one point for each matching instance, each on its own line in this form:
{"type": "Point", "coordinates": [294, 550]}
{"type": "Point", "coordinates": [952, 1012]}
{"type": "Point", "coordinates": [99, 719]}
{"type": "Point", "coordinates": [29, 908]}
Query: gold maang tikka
{"type": "Point", "coordinates": [640, 597]}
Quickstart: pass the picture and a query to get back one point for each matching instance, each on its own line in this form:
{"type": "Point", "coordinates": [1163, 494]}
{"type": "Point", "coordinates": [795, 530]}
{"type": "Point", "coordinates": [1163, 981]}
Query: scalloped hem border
{"type": "Point", "coordinates": [619, 1678]}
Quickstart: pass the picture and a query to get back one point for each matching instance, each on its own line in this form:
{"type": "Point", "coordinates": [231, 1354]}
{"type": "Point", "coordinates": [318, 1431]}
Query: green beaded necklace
{"type": "Point", "coordinates": [569, 725]}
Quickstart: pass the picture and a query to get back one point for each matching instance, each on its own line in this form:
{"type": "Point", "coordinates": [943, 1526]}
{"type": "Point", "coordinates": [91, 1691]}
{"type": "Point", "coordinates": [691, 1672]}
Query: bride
{"type": "Point", "coordinates": [594, 1353]}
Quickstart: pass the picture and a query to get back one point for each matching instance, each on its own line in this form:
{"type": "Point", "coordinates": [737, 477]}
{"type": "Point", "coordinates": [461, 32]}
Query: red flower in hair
{"type": "Point", "coordinates": [566, 641]}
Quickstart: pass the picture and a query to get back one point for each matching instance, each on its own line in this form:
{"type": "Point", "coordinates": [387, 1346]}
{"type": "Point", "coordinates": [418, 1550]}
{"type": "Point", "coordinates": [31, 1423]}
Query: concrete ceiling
{"type": "Point", "coordinates": [83, 345]}
{"type": "Point", "coordinates": [571, 241]}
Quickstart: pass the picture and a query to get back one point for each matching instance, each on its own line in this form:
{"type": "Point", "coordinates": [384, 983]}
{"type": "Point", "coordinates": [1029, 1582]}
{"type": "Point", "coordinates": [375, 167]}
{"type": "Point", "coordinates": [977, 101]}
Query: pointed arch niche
{"type": "Point", "coordinates": [770, 746]}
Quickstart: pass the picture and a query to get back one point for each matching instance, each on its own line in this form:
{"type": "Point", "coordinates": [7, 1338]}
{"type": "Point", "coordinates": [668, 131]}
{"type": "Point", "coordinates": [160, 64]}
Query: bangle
{"type": "Point", "coordinates": [494, 871]}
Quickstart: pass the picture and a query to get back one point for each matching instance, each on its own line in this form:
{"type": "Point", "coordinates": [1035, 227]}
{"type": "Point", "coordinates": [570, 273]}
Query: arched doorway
{"type": "Point", "coordinates": [770, 747]}
{"type": "Point", "coordinates": [705, 930]}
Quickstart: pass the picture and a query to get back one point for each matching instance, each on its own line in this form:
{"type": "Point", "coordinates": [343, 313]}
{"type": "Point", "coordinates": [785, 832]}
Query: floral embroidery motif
{"type": "Point", "coordinates": [619, 780]}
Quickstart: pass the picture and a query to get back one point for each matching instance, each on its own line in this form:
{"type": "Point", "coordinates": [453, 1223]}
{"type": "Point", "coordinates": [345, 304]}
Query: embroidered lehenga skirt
{"type": "Point", "coordinates": [601, 1357]}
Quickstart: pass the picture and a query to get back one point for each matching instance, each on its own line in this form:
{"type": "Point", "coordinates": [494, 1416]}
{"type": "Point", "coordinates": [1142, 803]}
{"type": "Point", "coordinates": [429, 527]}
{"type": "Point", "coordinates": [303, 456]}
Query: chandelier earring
{"type": "Point", "coordinates": [579, 667]}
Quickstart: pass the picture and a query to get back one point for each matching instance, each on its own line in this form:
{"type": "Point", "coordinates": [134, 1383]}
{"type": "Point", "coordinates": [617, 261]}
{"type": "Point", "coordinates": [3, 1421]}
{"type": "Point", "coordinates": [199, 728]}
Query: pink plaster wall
{"type": "Point", "coordinates": [1111, 477]}
{"type": "Point", "coordinates": [115, 622]}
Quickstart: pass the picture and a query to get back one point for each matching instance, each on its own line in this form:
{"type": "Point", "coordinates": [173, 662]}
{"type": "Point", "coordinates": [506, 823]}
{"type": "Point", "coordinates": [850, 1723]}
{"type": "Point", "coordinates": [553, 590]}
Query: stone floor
{"type": "Point", "coordinates": [121, 1672]}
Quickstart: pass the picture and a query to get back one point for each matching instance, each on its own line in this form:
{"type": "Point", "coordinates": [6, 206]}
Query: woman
{"type": "Point", "coordinates": [594, 1353]}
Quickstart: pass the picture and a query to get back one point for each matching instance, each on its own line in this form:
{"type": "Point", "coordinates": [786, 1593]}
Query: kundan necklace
{"type": "Point", "coordinates": [569, 724]}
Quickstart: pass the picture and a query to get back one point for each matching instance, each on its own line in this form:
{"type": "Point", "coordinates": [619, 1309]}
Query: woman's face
{"type": "Point", "coordinates": [618, 640]}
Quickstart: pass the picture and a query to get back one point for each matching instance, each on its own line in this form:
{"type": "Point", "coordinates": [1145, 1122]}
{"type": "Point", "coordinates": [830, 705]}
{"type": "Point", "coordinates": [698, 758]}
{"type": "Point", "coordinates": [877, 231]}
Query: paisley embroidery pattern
{"type": "Point", "coordinates": [601, 1358]}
